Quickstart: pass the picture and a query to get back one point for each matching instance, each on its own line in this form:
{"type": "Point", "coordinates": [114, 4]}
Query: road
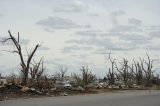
{"type": "Point", "coordinates": [121, 98]}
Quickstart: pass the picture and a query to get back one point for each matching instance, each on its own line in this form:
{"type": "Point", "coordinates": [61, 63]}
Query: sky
{"type": "Point", "coordinates": [81, 32]}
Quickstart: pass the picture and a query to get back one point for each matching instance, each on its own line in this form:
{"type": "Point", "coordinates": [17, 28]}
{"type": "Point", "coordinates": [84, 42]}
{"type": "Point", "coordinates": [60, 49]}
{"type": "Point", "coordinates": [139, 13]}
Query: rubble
{"type": "Point", "coordinates": [63, 94]}
{"type": "Point", "coordinates": [79, 88]}
{"type": "Point", "coordinates": [15, 88]}
{"type": "Point", "coordinates": [24, 89]}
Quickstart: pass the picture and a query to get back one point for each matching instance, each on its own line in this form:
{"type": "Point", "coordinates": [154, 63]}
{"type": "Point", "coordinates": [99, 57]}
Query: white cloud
{"type": "Point", "coordinates": [114, 16]}
{"type": "Point", "coordinates": [152, 47]}
{"type": "Point", "coordinates": [136, 39]}
{"type": "Point", "coordinates": [1, 54]}
{"type": "Point", "coordinates": [134, 21]}
{"type": "Point", "coordinates": [118, 13]}
{"type": "Point", "coordinates": [155, 34]}
{"type": "Point", "coordinates": [125, 29]}
{"type": "Point", "coordinates": [76, 48]}
{"type": "Point", "coordinates": [94, 14]}
{"type": "Point", "coordinates": [132, 36]}
{"type": "Point", "coordinates": [43, 48]}
{"type": "Point", "coordinates": [54, 23]}
{"type": "Point", "coordinates": [90, 33]}
{"type": "Point", "coordinates": [103, 44]}
{"type": "Point", "coordinates": [69, 6]}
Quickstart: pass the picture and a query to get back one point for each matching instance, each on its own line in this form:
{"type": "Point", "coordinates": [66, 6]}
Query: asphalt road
{"type": "Point", "coordinates": [121, 98]}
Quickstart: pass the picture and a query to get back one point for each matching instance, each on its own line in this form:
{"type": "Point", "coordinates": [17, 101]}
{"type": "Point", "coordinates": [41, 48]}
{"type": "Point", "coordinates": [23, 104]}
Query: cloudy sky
{"type": "Point", "coordinates": [81, 32]}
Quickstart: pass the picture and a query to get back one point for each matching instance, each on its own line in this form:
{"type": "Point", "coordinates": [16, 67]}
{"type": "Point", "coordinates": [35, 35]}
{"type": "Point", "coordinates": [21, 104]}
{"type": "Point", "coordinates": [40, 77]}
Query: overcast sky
{"type": "Point", "coordinates": [81, 32]}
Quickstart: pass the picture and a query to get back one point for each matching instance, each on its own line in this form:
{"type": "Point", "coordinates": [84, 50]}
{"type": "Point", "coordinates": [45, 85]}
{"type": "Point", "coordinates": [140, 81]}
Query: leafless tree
{"type": "Point", "coordinates": [37, 70]}
{"type": "Point", "coordinates": [87, 76]}
{"type": "Point", "coordinates": [24, 65]}
{"type": "Point", "coordinates": [138, 73]}
{"type": "Point", "coordinates": [131, 75]}
{"type": "Point", "coordinates": [77, 78]}
{"type": "Point", "coordinates": [62, 70]}
{"type": "Point", "coordinates": [12, 77]}
{"type": "Point", "coordinates": [147, 66]}
{"type": "Point", "coordinates": [111, 73]}
{"type": "Point", "coordinates": [123, 70]}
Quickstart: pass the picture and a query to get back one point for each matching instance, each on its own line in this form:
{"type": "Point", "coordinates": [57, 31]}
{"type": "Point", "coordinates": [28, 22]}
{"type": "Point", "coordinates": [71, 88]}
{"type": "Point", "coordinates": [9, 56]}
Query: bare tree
{"type": "Point", "coordinates": [111, 73]}
{"type": "Point", "coordinates": [87, 76]}
{"type": "Point", "coordinates": [147, 66]}
{"type": "Point", "coordinates": [131, 75]}
{"type": "Point", "coordinates": [37, 70]}
{"type": "Point", "coordinates": [12, 78]}
{"type": "Point", "coordinates": [62, 70]}
{"type": "Point", "coordinates": [24, 65]}
{"type": "Point", "coordinates": [138, 72]}
{"type": "Point", "coordinates": [78, 80]}
{"type": "Point", "coordinates": [123, 70]}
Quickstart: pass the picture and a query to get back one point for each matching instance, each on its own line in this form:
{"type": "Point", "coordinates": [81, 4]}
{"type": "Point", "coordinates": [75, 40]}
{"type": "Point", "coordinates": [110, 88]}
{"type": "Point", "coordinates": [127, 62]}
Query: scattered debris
{"type": "Point", "coordinates": [24, 89]}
